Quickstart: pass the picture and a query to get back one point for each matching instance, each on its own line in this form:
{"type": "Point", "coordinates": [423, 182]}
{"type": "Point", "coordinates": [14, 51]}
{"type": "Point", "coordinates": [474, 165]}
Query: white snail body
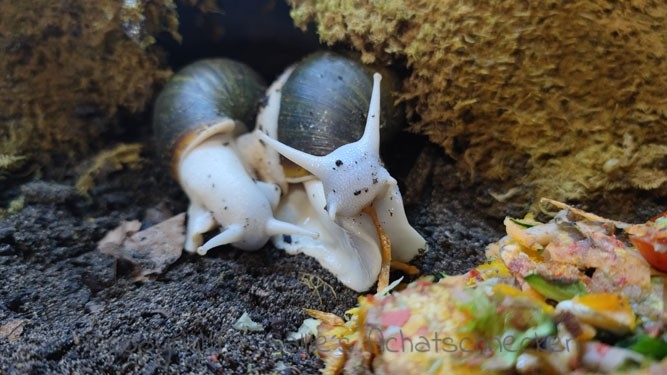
{"type": "Point", "coordinates": [234, 182]}
{"type": "Point", "coordinates": [197, 118]}
{"type": "Point", "coordinates": [344, 180]}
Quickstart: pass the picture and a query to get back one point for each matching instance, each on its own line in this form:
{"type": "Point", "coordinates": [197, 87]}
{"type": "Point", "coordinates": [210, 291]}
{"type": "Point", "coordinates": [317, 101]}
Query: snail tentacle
{"type": "Point", "coordinates": [200, 221]}
{"type": "Point", "coordinates": [371, 138]}
{"type": "Point", "coordinates": [232, 233]}
{"type": "Point", "coordinates": [265, 160]}
{"type": "Point", "coordinates": [275, 227]}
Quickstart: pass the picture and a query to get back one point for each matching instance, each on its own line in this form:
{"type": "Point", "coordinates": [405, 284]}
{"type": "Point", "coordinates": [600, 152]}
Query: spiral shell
{"type": "Point", "coordinates": [208, 97]}
{"type": "Point", "coordinates": [325, 100]}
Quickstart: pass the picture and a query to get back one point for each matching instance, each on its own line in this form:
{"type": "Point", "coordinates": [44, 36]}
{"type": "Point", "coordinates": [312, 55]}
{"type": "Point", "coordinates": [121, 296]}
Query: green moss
{"type": "Point", "coordinates": [566, 97]}
{"type": "Point", "coordinates": [15, 205]}
{"type": "Point", "coordinates": [10, 162]}
{"type": "Point", "coordinates": [69, 67]}
{"type": "Point", "coordinates": [121, 156]}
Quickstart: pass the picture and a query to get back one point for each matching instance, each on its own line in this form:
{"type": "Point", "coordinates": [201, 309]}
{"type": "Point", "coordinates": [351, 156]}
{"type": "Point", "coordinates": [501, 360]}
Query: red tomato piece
{"type": "Point", "coordinates": [656, 259]}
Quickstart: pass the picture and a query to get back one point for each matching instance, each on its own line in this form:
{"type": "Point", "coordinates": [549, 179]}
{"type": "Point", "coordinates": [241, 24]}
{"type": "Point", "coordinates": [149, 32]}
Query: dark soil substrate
{"type": "Point", "coordinates": [83, 314]}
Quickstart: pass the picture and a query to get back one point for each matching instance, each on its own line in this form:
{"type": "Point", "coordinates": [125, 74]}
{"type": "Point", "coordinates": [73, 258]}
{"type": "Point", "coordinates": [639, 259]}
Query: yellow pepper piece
{"type": "Point", "coordinates": [608, 311]}
{"type": "Point", "coordinates": [605, 301]}
{"type": "Point", "coordinates": [494, 268]}
{"type": "Point", "coordinates": [511, 291]}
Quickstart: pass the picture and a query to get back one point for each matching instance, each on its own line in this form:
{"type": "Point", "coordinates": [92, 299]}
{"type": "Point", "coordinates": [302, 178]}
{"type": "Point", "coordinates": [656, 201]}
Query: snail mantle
{"type": "Point", "coordinates": [345, 209]}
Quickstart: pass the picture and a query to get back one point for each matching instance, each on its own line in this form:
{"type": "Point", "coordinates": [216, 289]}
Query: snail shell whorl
{"type": "Point", "coordinates": [325, 101]}
{"type": "Point", "coordinates": [205, 98]}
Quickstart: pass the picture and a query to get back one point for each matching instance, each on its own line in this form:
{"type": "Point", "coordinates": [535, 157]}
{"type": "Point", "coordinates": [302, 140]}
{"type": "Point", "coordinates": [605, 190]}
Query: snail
{"type": "Point", "coordinates": [197, 120]}
{"type": "Point", "coordinates": [315, 116]}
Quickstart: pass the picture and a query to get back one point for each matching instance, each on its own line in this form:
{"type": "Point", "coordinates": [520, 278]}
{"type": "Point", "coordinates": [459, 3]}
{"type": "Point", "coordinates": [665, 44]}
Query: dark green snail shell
{"type": "Point", "coordinates": [200, 97]}
{"type": "Point", "coordinates": [324, 103]}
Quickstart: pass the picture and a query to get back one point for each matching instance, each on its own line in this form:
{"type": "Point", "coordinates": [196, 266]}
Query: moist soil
{"type": "Point", "coordinates": [81, 311]}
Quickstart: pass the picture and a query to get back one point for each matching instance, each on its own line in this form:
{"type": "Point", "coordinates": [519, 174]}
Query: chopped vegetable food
{"type": "Point", "coordinates": [499, 318]}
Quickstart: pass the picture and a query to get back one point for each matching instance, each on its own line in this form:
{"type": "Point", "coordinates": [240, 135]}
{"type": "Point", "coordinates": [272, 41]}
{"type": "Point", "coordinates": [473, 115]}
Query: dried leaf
{"type": "Point", "coordinates": [12, 329]}
{"type": "Point", "coordinates": [151, 250]}
{"type": "Point", "coordinates": [113, 241]}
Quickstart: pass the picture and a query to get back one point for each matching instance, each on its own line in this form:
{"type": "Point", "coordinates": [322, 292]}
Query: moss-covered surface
{"type": "Point", "coordinates": [562, 99]}
{"type": "Point", "coordinates": [69, 67]}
